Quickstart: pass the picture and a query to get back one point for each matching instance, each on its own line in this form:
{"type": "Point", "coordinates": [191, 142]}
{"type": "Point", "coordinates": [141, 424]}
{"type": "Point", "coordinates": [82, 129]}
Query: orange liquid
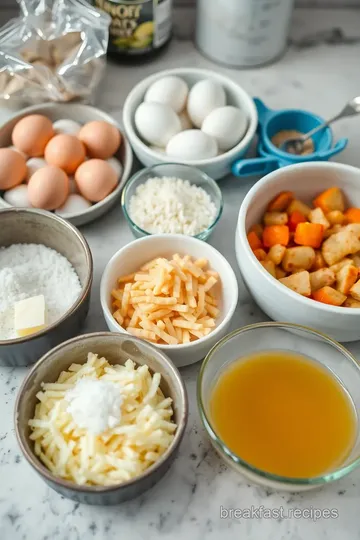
{"type": "Point", "coordinates": [284, 414]}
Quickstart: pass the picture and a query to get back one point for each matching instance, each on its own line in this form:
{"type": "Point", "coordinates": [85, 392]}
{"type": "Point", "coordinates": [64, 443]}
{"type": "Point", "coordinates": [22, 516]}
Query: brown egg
{"type": "Point", "coordinates": [12, 168]}
{"type": "Point", "coordinates": [95, 179]}
{"type": "Point", "coordinates": [32, 133]}
{"type": "Point", "coordinates": [65, 151]}
{"type": "Point", "coordinates": [100, 138]}
{"type": "Point", "coordinates": [48, 188]}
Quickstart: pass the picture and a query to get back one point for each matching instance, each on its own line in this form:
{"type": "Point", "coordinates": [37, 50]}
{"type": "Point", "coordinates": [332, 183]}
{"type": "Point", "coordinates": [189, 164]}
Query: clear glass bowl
{"type": "Point", "coordinates": [278, 336]}
{"type": "Point", "coordinates": [176, 170]}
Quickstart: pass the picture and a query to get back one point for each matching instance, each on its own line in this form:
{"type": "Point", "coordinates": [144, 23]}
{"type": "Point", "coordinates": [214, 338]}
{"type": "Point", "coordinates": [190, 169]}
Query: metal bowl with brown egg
{"type": "Point", "coordinates": [81, 114]}
{"type": "Point", "coordinates": [30, 226]}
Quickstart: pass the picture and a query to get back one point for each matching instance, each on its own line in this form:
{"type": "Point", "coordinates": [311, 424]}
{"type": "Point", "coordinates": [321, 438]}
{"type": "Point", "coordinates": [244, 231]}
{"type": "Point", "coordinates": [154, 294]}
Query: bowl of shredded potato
{"type": "Point", "coordinates": [100, 417]}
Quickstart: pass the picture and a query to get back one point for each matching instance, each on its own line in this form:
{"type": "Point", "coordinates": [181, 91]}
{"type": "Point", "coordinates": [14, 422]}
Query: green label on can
{"type": "Point", "coordinates": [137, 26]}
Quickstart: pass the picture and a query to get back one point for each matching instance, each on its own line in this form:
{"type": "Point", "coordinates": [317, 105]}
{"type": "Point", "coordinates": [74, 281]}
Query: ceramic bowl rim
{"type": "Point", "coordinates": [85, 289]}
{"type": "Point", "coordinates": [227, 82]}
{"type": "Point", "coordinates": [127, 165]}
{"type": "Point", "coordinates": [47, 475]}
{"type": "Point", "coordinates": [325, 478]}
{"type": "Point", "coordinates": [241, 232]}
{"type": "Point", "coordinates": [152, 238]}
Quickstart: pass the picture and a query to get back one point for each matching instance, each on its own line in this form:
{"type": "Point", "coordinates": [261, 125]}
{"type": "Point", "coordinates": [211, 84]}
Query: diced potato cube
{"type": "Point", "coordinates": [269, 266]}
{"type": "Point", "coordinates": [318, 216]}
{"type": "Point", "coordinates": [328, 295]}
{"type": "Point", "coordinates": [299, 283]}
{"type": "Point", "coordinates": [276, 253]}
{"type": "Point", "coordinates": [354, 228]}
{"type": "Point", "coordinates": [339, 245]}
{"type": "Point", "coordinates": [298, 206]}
{"type": "Point", "coordinates": [260, 254]}
{"type": "Point", "coordinates": [298, 258]}
{"type": "Point", "coordinates": [280, 273]}
{"type": "Point", "coordinates": [333, 230]}
{"type": "Point", "coordinates": [339, 265]}
{"type": "Point", "coordinates": [335, 217]}
{"type": "Point", "coordinates": [275, 218]}
{"type": "Point", "coordinates": [319, 261]}
{"type": "Point", "coordinates": [331, 199]}
{"type": "Point", "coordinates": [321, 278]}
{"type": "Point", "coordinates": [356, 260]}
{"type": "Point", "coordinates": [351, 302]}
{"type": "Point", "coordinates": [355, 290]}
{"type": "Point", "coordinates": [346, 278]}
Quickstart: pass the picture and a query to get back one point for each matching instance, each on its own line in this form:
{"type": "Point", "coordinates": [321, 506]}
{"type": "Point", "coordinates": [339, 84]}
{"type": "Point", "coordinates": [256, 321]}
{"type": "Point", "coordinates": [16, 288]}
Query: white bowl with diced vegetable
{"type": "Point", "coordinates": [336, 260]}
{"type": "Point", "coordinates": [129, 274]}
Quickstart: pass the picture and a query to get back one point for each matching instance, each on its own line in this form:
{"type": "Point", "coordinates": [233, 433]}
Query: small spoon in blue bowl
{"type": "Point", "coordinates": [296, 146]}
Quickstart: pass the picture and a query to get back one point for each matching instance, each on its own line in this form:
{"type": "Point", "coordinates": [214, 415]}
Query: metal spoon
{"type": "Point", "coordinates": [296, 146]}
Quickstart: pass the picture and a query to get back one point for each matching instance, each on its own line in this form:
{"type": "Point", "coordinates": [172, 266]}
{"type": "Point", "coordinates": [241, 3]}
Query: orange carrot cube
{"type": "Point", "coordinates": [276, 234]}
{"type": "Point", "coordinates": [280, 202]}
{"type": "Point", "coordinates": [328, 295]}
{"type": "Point", "coordinates": [329, 200]}
{"type": "Point", "coordinates": [352, 215]}
{"type": "Point", "coordinates": [295, 218]}
{"type": "Point", "coordinates": [254, 241]}
{"type": "Point", "coordinates": [309, 234]}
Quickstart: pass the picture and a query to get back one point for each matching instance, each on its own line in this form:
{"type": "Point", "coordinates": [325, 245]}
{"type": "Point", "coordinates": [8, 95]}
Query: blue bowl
{"type": "Point", "coordinates": [270, 156]}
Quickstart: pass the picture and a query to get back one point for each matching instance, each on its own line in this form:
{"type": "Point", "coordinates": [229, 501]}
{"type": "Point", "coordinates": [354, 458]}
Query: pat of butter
{"type": "Point", "coordinates": [30, 315]}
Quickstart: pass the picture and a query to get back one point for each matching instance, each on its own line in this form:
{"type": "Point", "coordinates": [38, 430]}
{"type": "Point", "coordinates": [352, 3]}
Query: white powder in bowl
{"type": "Point", "coordinates": [172, 205]}
{"type": "Point", "coordinates": [28, 270]}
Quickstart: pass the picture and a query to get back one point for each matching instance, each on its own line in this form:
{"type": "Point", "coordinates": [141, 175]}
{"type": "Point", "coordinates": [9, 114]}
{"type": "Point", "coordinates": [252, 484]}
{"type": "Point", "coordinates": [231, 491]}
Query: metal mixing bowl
{"type": "Point", "coordinates": [116, 348]}
{"type": "Point", "coordinates": [28, 226]}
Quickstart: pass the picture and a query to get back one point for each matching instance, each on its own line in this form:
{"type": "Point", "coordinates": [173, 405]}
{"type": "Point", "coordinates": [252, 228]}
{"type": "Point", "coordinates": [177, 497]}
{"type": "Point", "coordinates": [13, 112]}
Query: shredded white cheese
{"type": "Point", "coordinates": [120, 453]}
{"type": "Point", "coordinates": [172, 205]}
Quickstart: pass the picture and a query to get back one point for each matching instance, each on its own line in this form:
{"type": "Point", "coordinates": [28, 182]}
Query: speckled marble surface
{"type": "Point", "coordinates": [187, 502]}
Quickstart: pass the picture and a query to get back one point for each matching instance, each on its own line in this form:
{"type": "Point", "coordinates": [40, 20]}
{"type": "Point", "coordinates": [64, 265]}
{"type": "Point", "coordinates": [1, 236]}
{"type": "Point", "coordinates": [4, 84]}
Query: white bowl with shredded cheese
{"type": "Point", "coordinates": [101, 416]}
{"type": "Point", "coordinates": [171, 198]}
{"type": "Point", "coordinates": [138, 253]}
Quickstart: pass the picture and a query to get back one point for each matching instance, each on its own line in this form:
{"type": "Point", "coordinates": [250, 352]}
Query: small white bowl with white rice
{"type": "Point", "coordinates": [172, 198]}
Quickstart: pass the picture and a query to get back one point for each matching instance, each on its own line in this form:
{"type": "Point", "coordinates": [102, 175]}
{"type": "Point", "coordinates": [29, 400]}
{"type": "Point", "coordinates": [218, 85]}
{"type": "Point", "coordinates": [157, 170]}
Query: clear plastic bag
{"type": "Point", "coordinates": [55, 51]}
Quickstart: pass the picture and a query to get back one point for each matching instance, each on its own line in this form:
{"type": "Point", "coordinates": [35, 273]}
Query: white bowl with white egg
{"type": "Point", "coordinates": [68, 119]}
{"type": "Point", "coordinates": [130, 258]}
{"type": "Point", "coordinates": [191, 116]}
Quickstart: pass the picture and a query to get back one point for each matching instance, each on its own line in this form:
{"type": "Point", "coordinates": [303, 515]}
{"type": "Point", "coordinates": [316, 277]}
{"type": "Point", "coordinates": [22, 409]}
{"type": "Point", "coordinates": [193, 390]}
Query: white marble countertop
{"type": "Point", "coordinates": [187, 502]}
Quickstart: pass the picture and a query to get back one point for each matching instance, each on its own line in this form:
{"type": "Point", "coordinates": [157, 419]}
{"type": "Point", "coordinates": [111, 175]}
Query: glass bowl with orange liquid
{"type": "Point", "coordinates": [280, 403]}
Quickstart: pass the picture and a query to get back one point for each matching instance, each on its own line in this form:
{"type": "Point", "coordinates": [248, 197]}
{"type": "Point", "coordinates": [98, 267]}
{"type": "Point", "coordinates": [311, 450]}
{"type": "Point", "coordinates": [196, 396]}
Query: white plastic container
{"type": "Point", "coordinates": [243, 33]}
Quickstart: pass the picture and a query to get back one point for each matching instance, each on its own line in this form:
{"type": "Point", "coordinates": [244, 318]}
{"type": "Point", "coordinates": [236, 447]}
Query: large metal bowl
{"type": "Point", "coordinates": [81, 114]}
{"type": "Point", "coordinates": [116, 348]}
{"type": "Point", "coordinates": [28, 226]}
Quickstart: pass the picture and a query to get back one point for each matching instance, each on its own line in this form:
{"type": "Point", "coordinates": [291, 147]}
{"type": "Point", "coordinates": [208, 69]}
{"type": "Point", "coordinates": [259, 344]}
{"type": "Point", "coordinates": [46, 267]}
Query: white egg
{"type": "Point", "coordinates": [227, 125]}
{"type": "Point", "coordinates": [192, 144]}
{"type": "Point", "coordinates": [70, 127]}
{"type": "Point", "coordinates": [156, 123]}
{"type": "Point", "coordinates": [204, 97]}
{"type": "Point", "coordinates": [170, 90]}
{"type": "Point", "coordinates": [74, 204]}
{"type": "Point", "coordinates": [25, 156]}
{"type": "Point", "coordinates": [185, 121]}
{"type": "Point", "coordinates": [116, 165]}
{"type": "Point", "coordinates": [17, 196]}
{"type": "Point", "coordinates": [158, 149]}
{"type": "Point", "coordinates": [72, 185]}
{"type": "Point", "coordinates": [34, 164]}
